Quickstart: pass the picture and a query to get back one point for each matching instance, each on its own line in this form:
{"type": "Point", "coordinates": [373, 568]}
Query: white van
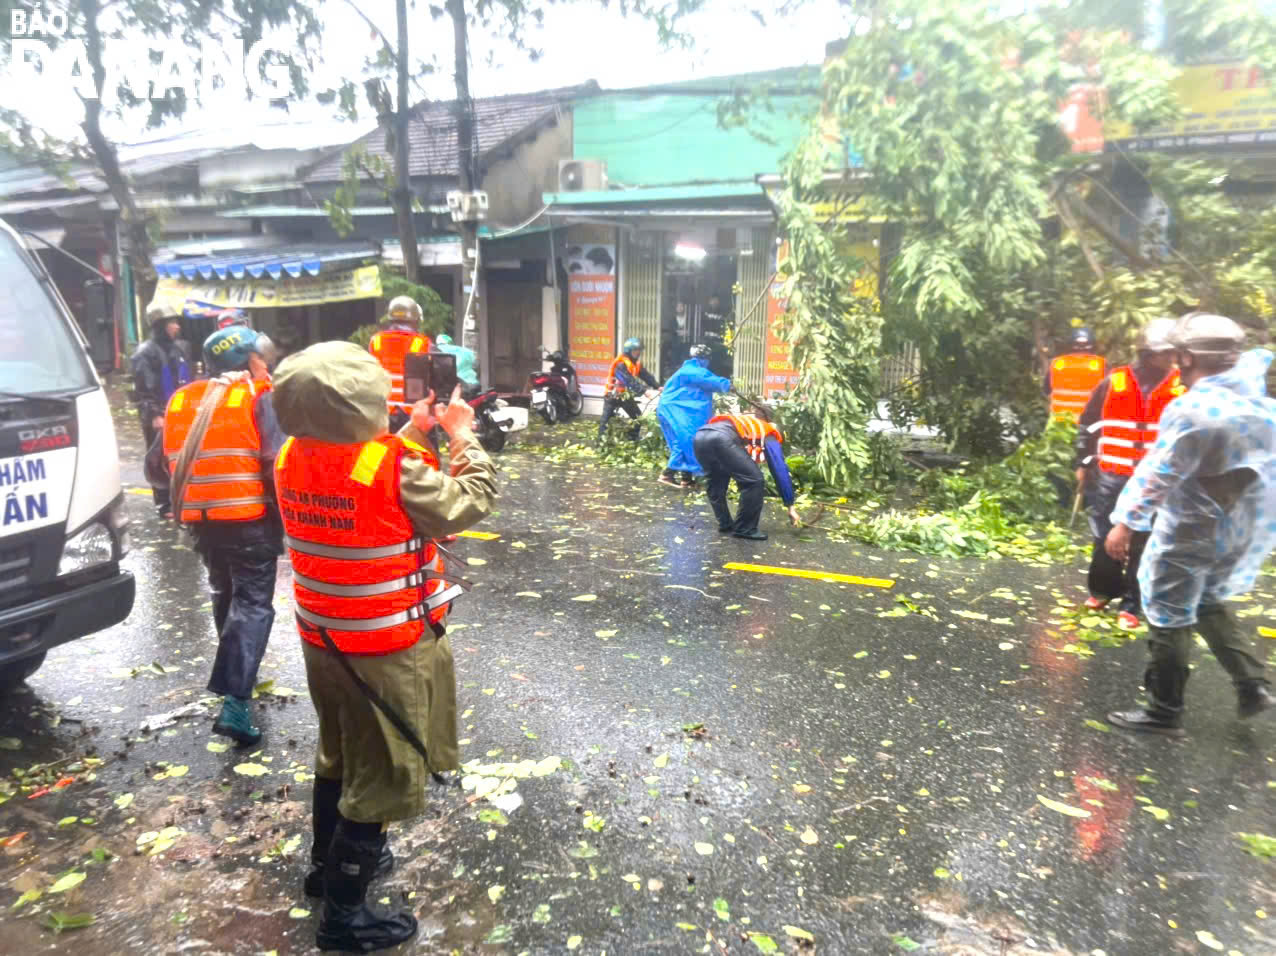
{"type": "Point", "coordinates": [63, 528]}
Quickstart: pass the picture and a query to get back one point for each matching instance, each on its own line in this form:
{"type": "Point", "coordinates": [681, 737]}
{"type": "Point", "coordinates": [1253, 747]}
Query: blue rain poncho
{"type": "Point", "coordinates": [1210, 484]}
{"type": "Point", "coordinates": [464, 359]}
{"type": "Point", "coordinates": [686, 404]}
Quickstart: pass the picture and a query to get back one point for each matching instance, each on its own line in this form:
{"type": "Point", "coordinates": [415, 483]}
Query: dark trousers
{"type": "Point", "coordinates": [721, 454]}
{"type": "Point", "coordinates": [1110, 579]}
{"type": "Point", "coordinates": [241, 576]}
{"type": "Point", "coordinates": [159, 494]}
{"type": "Point", "coordinates": [1170, 653]}
{"type": "Point", "coordinates": [625, 402]}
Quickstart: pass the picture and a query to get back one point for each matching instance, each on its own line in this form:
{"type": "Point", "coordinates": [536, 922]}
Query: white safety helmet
{"type": "Point", "coordinates": [1208, 336]}
{"type": "Point", "coordinates": [1156, 336]}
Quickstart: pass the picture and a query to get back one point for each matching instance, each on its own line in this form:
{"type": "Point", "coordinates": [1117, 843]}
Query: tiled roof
{"type": "Point", "coordinates": [432, 130]}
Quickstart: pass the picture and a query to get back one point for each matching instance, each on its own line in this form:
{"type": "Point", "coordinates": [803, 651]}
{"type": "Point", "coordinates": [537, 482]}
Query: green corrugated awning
{"type": "Point", "coordinates": [747, 189]}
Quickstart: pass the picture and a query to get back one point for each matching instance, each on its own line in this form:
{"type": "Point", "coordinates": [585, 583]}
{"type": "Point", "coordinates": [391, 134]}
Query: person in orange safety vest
{"type": "Point", "coordinates": [362, 510]}
{"type": "Point", "coordinates": [1116, 428]}
{"type": "Point", "coordinates": [1073, 376]}
{"type": "Point", "coordinates": [732, 447]}
{"type": "Point", "coordinates": [626, 380]}
{"type": "Point", "coordinates": [220, 440]}
{"type": "Point", "coordinates": [400, 335]}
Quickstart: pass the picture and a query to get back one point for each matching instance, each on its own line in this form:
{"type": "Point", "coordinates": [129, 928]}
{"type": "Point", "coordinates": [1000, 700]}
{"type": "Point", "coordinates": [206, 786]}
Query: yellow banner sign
{"type": "Point", "coordinates": [1224, 104]}
{"type": "Point", "coordinates": [361, 283]}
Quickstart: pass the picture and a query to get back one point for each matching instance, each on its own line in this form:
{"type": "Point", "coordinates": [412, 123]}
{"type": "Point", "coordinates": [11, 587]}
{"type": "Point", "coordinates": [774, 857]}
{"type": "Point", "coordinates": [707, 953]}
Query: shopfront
{"type": "Point", "coordinates": [297, 297]}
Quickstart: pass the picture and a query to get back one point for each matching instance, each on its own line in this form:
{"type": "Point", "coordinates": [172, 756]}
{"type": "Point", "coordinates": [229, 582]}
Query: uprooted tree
{"type": "Point", "coordinates": [1006, 235]}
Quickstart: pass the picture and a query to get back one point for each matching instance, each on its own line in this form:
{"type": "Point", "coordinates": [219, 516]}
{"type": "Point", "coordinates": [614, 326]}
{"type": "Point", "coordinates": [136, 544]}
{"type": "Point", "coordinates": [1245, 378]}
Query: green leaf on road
{"type": "Point", "coordinates": [67, 882]}
{"type": "Point", "coordinates": [764, 943]}
{"type": "Point", "coordinates": [1159, 812]}
{"type": "Point", "coordinates": [1063, 808]}
{"type": "Point", "coordinates": [704, 849]}
{"type": "Point", "coordinates": [1259, 845]}
{"type": "Point", "coordinates": [906, 944]}
{"type": "Point", "coordinates": [124, 801]}
{"type": "Point", "coordinates": [1098, 725]}
{"type": "Point", "coordinates": [721, 909]}
{"type": "Point", "coordinates": [61, 922]}
{"type": "Point", "coordinates": [250, 769]}
{"type": "Point", "coordinates": [798, 933]}
{"type": "Point", "coordinates": [541, 913]}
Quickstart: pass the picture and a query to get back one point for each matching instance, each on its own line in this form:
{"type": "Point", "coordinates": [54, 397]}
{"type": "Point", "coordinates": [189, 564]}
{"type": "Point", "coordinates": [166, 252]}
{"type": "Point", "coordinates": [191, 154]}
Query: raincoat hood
{"type": "Point", "coordinates": [1247, 377]}
{"type": "Point", "coordinates": [443, 339]}
{"type": "Point", "coordinates": [333, 392]}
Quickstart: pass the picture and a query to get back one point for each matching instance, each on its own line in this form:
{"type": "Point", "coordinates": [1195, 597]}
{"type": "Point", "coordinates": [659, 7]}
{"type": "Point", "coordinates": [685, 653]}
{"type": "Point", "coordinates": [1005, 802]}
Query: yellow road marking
{"type": "Point", "coordinates": [817, 575]}
{"type": "Point", "coordinates": [138, 491]}
{"type": "Point", "coordinates": [478, 535]}
{"type": "Point", "coordinates": [1267, 632]}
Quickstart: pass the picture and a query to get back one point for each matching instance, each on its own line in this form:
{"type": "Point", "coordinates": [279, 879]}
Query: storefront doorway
{"type": "Point", "coordinates": [700, 268]}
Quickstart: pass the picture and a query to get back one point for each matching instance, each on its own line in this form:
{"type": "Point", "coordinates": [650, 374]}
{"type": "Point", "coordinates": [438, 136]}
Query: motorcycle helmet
{"type": "Point", "coordinates": [1081, 340]}
{"type": "Point", "coordinates": [403, 313]}
{"type": "Point", "coordinates": [701, 352]}
{"type": "Point", "coordinates": [229, 317]}
{"type": "Point", "coordinates": [631, 345]}
{"type": "Point", "coordinates": [228, 349]}
{"type": "Point", "coordinates": [1156, 336]}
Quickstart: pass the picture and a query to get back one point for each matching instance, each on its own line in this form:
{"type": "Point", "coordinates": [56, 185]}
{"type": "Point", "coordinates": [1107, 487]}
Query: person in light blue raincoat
{"type": "Point", "coordinates": [1207, 493]}
{"type": "Point", "coordinates": [686, 404]}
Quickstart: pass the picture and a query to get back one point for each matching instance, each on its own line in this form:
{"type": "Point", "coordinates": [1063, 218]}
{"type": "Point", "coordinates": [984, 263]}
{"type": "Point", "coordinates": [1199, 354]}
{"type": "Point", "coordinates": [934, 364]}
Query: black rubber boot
{"type": "Point", "coordinates": [1164, 680]}
{"type": "Point", "coordinates": [754, 535]}
{"type": "Point", "coordinates": [324, 819]}
{"type": "Point", "coordinates": [1253, 697]}
{"type": "Point", "coordinates": [347, 923]}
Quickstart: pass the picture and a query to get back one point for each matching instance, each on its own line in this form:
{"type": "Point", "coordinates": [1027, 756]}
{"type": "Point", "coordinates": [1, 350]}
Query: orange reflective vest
{"type": "Point", "coordinates": [225, 481]}
{"type": "Point", "coordinates": [614, 385]}
{"type": "Point", "coordinates": [359, 568]}
{"type": "Point", "coordinates": [390, 348]}
{"type": "Point", "coordinates": [1130, 420]}
{"type": "Point", "coordinates": [754, 431]}
{"type": "Point", "coordinates": [1072, 379]}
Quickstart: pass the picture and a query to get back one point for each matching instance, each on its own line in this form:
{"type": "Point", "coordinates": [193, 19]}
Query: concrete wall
{"type": "Point", "coordinates": [515, 183]}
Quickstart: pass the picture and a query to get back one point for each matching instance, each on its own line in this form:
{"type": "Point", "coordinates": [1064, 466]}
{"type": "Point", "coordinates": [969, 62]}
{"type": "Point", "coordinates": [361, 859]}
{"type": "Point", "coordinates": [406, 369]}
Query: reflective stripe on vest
{"type": "Point", "coordinates": [1072, 379]}
{"type": "Point", "coordinates": [359, 568]}
{"type": "Point", "coordinates": [225, 481]}
{"type": "Point", "coordinates": [1130, 422]}
{"type": "Point", "coordinates": [754, 432]}
{"type": "Point", "coordinates": [390, 348]}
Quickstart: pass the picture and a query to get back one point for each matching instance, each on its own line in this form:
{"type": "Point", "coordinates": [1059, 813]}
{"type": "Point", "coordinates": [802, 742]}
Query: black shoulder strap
{"type": "Point", "coordinates": [401, 725]}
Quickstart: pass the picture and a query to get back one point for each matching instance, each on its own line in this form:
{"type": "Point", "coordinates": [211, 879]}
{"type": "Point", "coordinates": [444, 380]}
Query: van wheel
{"type": "Point", "coordinates": [14, 673]}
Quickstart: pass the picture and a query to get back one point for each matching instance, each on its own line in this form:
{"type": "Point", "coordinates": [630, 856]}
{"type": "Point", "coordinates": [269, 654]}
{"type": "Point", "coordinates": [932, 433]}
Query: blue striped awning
{"type": "Point", "coordinates": [293, 263]}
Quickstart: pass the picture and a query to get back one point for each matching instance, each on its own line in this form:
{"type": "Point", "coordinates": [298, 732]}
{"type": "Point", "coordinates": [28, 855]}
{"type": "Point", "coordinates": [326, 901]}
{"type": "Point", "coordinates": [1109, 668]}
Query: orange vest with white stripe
{"type": "Point", "coordinates": [390, 348]}
{"type": "Point", "coordinates": [754, 431]}
{"type": "Point", "coordinates": [1072, 379]}
{"type": "Point", "coordinates": [359, 568]}
{"type": "Point", "coordinates": [614, 385]}
{"type": "Point", "coordinates": [225, 481]}
{"type": "Point", "coordinates": [1128, 427]}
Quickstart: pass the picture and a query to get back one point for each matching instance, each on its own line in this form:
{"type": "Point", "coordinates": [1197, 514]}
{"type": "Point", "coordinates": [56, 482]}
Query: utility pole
{"type": "Point", "coordinates": [469, 207]}
{"type": "Point", "coordinates": [402, 175]}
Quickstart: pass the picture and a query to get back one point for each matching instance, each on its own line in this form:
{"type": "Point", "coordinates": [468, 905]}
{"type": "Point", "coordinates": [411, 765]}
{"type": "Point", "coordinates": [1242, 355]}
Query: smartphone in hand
{"type": "Point", "coordinates": [424, 372]}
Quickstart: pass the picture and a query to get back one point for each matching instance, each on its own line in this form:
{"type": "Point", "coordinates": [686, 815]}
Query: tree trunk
{"type": "Point", "coordinates": [465, 158]}
{"type": "Point", "coordinates": [136, 237]}
{"type": "Point", "coordinates": [402, 178]}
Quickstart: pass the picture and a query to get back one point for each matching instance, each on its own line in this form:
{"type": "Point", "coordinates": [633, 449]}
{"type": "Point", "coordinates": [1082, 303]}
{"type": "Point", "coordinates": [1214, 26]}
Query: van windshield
{"type": "Point", "coordinates": [39, 352]}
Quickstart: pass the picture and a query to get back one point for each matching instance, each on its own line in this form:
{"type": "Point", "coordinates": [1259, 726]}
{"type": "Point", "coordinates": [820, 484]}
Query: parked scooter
{"type": "Point", "coordinates": [491, 423]}
{"type": "Point", "coordinates": [556, 393]}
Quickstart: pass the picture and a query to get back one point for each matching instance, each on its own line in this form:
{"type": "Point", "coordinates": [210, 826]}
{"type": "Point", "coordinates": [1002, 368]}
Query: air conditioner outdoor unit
{"type": "Point", "coordinates": [467, 207]}
{"type": "Point", "coordinates": [579, 175]}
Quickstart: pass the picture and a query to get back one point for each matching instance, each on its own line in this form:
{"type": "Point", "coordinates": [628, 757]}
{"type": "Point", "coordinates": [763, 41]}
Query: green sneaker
{"type": "Point", "coordinates": [235, 721]}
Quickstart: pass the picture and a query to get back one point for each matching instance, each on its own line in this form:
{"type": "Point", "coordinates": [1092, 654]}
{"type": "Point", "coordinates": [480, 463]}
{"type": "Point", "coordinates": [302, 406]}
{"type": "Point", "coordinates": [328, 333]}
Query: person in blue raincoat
{"type": "Point", "coordinates": [1207, 493]}
{"type": "Point", "coordinates": [686, 405]}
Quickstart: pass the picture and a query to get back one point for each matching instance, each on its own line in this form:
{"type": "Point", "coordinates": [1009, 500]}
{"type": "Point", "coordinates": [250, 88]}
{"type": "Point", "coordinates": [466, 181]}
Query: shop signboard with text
{"type": "Point", "coordinates": [591, 313]}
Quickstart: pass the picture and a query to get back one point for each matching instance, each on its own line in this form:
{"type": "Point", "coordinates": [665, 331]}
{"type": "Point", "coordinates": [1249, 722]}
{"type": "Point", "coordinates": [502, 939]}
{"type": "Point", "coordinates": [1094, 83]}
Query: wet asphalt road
{"type": "Point", "coordinates": [743, 759]}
